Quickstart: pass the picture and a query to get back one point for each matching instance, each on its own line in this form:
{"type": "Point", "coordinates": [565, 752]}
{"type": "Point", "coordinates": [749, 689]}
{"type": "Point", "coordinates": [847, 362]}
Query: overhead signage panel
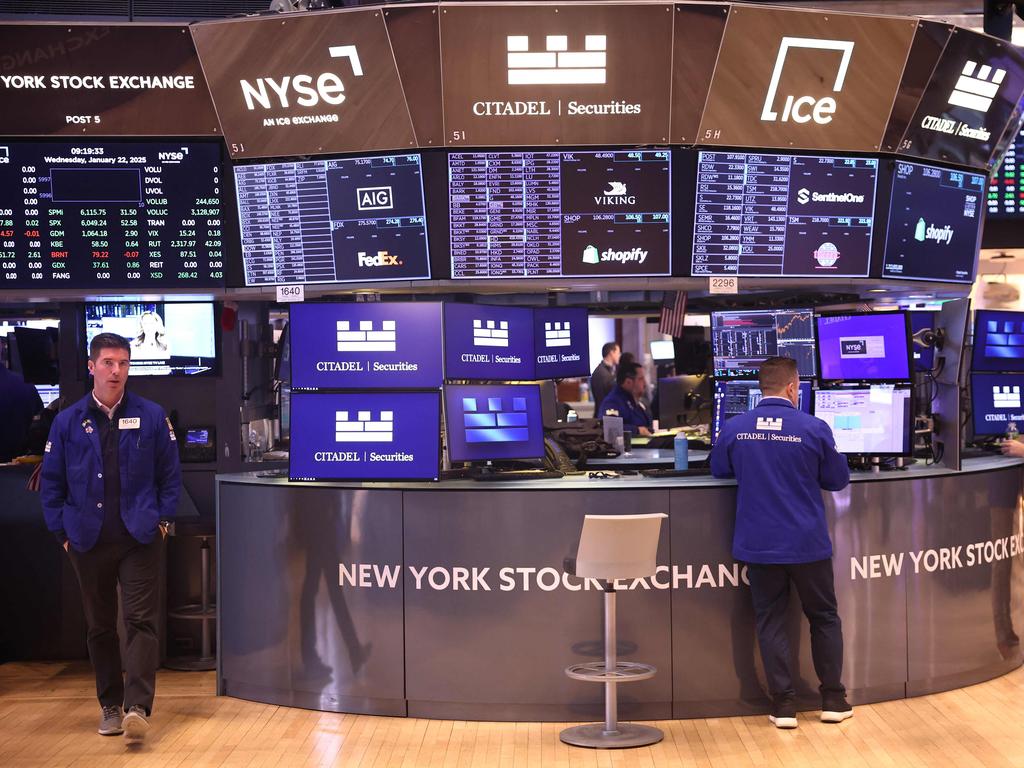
{"type": "Point", "coordinates": [929, 40]}
{"type": "Point", "coordinates": [698, 35]}
{"type": "Point", "coordinates": [556, 74]}
{"type": "Point", "coordinates": [102, 80]}
{"type": "Point", "coordinates": [971, 98]}
{"type": "Point", "coordinates": [805, 79]}
{"type": "Point", "coordinates": [416, 43]}
{"type": "Point", "coordinates": [309, 84]}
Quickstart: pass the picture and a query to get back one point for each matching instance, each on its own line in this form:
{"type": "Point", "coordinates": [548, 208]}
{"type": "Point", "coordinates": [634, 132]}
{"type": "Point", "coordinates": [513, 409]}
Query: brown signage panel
{"type": "Point", "coordinates": [805, 79]}
{"type": "Point", "coordinates": [698, 36]}
{"type": "Point", "coordinates": [416, 42]}
{"type": "Point", "coordinates": [306, 84]}
{"type": "Point", "coordinates": [556, 74]}
{"type": "Point", "coordinates": [929, 40]}
{"type": "Point", "coordinates": [102, 80]}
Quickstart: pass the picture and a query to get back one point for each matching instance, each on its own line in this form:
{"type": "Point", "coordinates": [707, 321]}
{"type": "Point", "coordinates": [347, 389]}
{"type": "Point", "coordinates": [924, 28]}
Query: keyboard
{"type": "Point", "coordinates": [520, 474]}
{"type": "Point", "coordinates": [691, 472]}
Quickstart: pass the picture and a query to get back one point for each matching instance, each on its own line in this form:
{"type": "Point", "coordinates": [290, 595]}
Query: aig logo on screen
{"type": "Point", "coordinates": [374, 198]}
{"type": "Point", "coordinates": [804, 109]}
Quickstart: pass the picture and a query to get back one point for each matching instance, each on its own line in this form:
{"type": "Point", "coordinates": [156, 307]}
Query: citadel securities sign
{"type": "Point", "coordinates": [811, 80]}
{"type": "Point", "coordinates": [309, 84]}
{"type": "Point", "coordinates": [109, 80]}
{"type": "Point", "coordinates": [548, 74]}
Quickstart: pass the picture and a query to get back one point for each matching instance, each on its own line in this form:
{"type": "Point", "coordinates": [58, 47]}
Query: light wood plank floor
{"type": "Point", "coordinates": [48, 716]}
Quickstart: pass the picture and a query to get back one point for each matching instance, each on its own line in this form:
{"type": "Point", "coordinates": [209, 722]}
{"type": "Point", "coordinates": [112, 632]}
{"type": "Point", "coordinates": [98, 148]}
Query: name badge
{"type": "Point", "coordinates": [128, 423]}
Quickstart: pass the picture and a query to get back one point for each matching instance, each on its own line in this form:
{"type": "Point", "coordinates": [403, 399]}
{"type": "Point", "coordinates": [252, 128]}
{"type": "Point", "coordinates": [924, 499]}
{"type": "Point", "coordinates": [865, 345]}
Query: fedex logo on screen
{"type": "Point", "coordinates": [803, 109]}
{"type": "Point", "coordinates": [305, 89]}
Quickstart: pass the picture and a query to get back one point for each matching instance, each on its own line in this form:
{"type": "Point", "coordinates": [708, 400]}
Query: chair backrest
{"type": "Point", "coordinates": [619, 546]}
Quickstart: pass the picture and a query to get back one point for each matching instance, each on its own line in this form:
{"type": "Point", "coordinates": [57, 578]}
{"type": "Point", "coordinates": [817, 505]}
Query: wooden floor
{"type": "Point", "coordinates": [48, 716]}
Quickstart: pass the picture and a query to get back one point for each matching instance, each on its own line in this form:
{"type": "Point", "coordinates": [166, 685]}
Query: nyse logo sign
{"type": "Point", "coordinates": [803, 109]}
{"type": "Point", "coordinates": [557, 65]}
{"type": "Point", "coordinates": [374, 198]}
{"type": "Point", "coordinates": [307, 90]}
{"type": "Point", "coordinates": [364, 429]}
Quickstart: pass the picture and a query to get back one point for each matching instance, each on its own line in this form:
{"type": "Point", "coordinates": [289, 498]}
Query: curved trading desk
{"type": "Point", "coordinates": [448, 600]}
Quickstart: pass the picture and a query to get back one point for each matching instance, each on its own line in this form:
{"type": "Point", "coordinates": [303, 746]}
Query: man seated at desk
{"type": "Point", "coordinates": [624, 400]}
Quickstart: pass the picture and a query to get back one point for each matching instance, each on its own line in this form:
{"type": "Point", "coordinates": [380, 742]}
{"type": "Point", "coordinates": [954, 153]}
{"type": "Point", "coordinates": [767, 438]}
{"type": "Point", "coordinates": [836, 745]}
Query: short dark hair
{"type": "Point", "coordinates": [627, 371]}
{"type": "Point", "coordinates": [608, 348]}
{"type": "Point", "coordinates": [776, 373]}
{"type": "Point", "coordinates": [103, 341]}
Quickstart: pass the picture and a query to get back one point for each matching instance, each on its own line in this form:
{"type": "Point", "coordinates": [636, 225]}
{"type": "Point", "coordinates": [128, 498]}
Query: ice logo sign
{"type": "Point", "coordinates": [490, 333]}
{"type": "Point", "coordinates": [366, 339]}
{"type": "Point", "coordinates": [803, 109]}
{"type": "Point", "coordinates": [770, 424]}
{"type": "Point", "coordinates": [495, 419]}
{"type": "Point", "coordinates": [364, 429]}
{"type": "Point", "coordinates": [556, 65]}
{"type": "Point", "coordinates": [1006, 397]}
{"type": "Point", "coordinates": [557, 334]}
{"type": "Point", "coordinates": [977, 87]}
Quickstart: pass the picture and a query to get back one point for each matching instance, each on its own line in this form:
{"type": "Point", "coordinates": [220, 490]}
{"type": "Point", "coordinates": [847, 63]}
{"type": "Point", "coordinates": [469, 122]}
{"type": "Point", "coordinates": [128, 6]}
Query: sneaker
{"type": "Point", "coordinates": [110, 722]}
{"type": "Point", "coordinates": [135, 724]}
{"type": "Point", "coordinates": [835, 708]}
{"type": "Point", "coordinates": [783, 713]}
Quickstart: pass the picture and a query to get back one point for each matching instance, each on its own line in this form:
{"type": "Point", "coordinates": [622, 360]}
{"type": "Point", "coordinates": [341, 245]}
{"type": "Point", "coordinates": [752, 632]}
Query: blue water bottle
{"type": "Point", "coordinates": [682, 449]}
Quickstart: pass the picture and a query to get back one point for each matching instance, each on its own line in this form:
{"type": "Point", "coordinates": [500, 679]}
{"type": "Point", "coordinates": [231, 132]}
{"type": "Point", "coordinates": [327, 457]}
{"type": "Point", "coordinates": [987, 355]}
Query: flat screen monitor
{"type": "Point", "coordinates": [365, 436]}
{"type": "Point", "coordinates": [663, 351]}
{"type": "Point", "coordinates": [554, 214]}
{"type": "Point", "coordinates": [35, 354]}
{"type": "Point", "coordinates": [48, 393]}
{"type": "Point", "coordinates": [1005, 197]}
{"type": "Point", "coordinates": [561, 341]}
{"type": "Point", "coordinates": [998, 341]}
{"type": "Point", "coordinates": [494, 422]}
{"type": "Point", "coordinates": [111, 214]}
{"type": "Point", "coordinates": [166, 338]}
{"type": "Point", "coordinates": [373, 345]}
{"type": "Point", "coordinates": [353, 219]}
{"type": "Point", "coordinates": [872, 420]}
{"type": "Point", "coordinates": [488, 343]}
{"type": "Point", "coordinates": [743, 339]}
{"type": "Point", "coordinates": [765, 215]}
{"type": "Point", "coordinates": [934, 224]}
{"type": "Point", "coordinates": [995, 402]}
{"type": "Point", "coordinates": [869, 347]}
{"type": "Point", "coordinates": [739, 396]}
{"type": "Point", "coordinates": [924, 356]}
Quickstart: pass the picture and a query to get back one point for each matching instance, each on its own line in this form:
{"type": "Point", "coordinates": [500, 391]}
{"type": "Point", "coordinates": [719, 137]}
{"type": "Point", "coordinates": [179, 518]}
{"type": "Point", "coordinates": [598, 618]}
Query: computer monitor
{"type": "Point", "coordinates": [924, 355]}
{"type": "Point", "coordinates": [561, 340]}
{"type": "Point", "coordinates": [488, 342]}
{"type": "Point", "coordinates": [741, 395]}
{"type": "Point", "coordinates": [34, 354]}
{"type": "Point", "coordinates": [743, 339]}
{"type": "Point", "coordinates": [681, 399]}
{"type": "Point", "coordinates": [995, 402]}
{"type": "Point", "coordinates": [998, 341]}
{"type": "Point", "coordinates": [873, 420]}
{"type": "Point", "coordinates": [866, 347]}
{"type": "Point", "coordinates": [48, 393]}
{"type": "Point", "coordinates": [493, 422]}
{"type": "Point", "coordinates": [663, 351]}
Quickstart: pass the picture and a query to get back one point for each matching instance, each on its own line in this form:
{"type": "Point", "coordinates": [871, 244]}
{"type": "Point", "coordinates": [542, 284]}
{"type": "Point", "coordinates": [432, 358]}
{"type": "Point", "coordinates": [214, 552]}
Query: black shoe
{"type": "Point", "coordinates": [783, 712]}
{"type": "Point", "coordinates": [835, 708]}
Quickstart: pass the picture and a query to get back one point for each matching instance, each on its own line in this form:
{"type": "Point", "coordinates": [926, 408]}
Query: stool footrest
{"type": "Point", "coordinates": [623, 672]}
{"type": "Point", "coordinates": [194, 611]}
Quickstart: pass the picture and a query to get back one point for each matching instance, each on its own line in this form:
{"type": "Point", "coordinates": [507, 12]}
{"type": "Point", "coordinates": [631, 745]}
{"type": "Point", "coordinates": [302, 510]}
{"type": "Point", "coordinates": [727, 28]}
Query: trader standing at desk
{"type": "Point", "coordinates": [602, 380]}
{"type": "Point", "coordinates": [782, 458]}
{"type": "Point", "coordinates": [624, 400]}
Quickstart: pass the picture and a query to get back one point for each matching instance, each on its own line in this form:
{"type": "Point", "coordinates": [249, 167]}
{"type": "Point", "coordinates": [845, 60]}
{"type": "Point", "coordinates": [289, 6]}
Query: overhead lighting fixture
{"type": "Point", "coordinates": [878, 290]}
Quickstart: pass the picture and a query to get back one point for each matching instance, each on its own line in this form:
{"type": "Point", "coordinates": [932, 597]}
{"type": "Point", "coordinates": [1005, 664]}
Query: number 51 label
{"type": "Point", "coordinates": [724, 285]}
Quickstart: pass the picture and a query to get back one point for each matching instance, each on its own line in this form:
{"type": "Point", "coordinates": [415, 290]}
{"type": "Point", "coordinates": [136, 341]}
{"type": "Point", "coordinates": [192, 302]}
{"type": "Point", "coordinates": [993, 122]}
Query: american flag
{"type": "Point", "coordinates": [673, 313]}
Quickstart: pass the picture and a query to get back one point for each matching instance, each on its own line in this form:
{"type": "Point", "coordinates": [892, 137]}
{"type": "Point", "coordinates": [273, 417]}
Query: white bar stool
{"type": "Point", "coordinates": [614, 547]}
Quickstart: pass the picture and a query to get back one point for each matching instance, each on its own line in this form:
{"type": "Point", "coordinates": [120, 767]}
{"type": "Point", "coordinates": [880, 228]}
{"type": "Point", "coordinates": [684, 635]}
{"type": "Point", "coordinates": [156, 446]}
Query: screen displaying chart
{"type": "Point", "coordinates": [742, 340]}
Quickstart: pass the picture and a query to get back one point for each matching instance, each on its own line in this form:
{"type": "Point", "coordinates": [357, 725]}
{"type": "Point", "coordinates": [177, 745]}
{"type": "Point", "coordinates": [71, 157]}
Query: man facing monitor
{"type": "Point", "coordinates": [782, 459]}
{"type": "Point", "coordinates": [625, 400]}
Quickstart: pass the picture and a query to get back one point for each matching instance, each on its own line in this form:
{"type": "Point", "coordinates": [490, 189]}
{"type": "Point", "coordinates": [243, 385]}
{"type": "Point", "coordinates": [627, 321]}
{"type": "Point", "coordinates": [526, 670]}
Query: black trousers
{"type": "Point", "coordinates": [815, 584]}
{"type": "Point", "coordinates": [99, 571]}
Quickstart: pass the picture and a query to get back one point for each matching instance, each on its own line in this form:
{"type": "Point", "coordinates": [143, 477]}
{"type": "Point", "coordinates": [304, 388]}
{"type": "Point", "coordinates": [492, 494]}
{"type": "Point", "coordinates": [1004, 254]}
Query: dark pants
{"type": "Point", "coordinates": [99, 571]}
{"type": "Point", "coordinates": [815, 584]}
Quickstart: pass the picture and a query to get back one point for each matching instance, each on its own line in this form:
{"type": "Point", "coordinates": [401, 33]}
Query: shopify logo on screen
{"type": "Point", "coordinates": [941, 235]}
{"type": "Point", "coordinates": [803, 109]}
{"type": "Point", "coordinates": [366, 339]}
{"type": "Point", "coordinates": [364, 429]}
{"type": "Point", "coordinates": [977, 87]}
{"type": "Point", "coordinates": [556, 65]}
{"type": "Point", "coordinates": [307, 90]}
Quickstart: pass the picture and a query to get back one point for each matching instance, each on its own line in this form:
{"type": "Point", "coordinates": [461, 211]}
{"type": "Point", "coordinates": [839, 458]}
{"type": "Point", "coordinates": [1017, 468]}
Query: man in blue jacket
{"type": "Point", "coordinates": [782, 458]}
{"type": "Point", "coordinates": [624, 400]}
{"type": "Point", "coordinates": [110, 476]}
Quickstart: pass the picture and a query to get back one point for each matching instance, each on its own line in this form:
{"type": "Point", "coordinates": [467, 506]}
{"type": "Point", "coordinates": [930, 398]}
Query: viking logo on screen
{"type": "Point", "coordinates": [366, 338]}
{"type": "Point", "coordinates": [557, 334]}
{"type": "Point", "coordinates": [556, 65]}
{"type": "Point", "coordinates": [616, 194]}
{"type": "Point", "coordinates": [374, 198]}
{"type": "Point", "coordinates": [363, 429]}
{"type": "Point", "coordinates": [770, 424]}
{"type": "Point", "coordinates": [490, 333]}
{"type": "Point", "coordinates": [307, 90]}
{"type": "Point", "coordinates": [1006, 397]}
{"type": "Point", "coordinates": [382, 259]}
{"type": "Point", "coordinates": [803, 109]}
{"type": "Point", "coordinates": [805, 196]}
{"type": "Point", "coordinates": [977, 87]}
{"type": "Point", "coordinates": [495, 419]}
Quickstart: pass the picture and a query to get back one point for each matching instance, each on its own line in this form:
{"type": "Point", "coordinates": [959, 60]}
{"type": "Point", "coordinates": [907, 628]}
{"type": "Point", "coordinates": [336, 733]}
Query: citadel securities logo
{"type": "Point", "coordinates": [1006, 397]}
{"type": "Point", "coordinates": [307, 92]}
{"type": "Point", "coordinates": [768, 423]}
{"type": "Point", "coordinates": [803, 109]}
{"type": "Point", "coordinates": [977, 87]}
{"type": "Point", "coordinates": [557, 334]}
{"type": "Point", "coordinates": [364, 429]}
{"type": "Point", "coordinates": [557, 65]}
{"type": "Point", "coordinates": [490, 333]}
{"type": "Point", "coordinates": [366, 339]}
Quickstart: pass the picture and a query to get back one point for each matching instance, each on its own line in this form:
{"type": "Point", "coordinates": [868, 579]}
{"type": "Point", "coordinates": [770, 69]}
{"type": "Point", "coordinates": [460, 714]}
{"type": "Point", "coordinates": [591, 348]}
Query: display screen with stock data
{"type": "Point", "coordinates": [1006, 187]}
{"type": "Point", "coordinates": [744, 339]}
{"type": "Point", "coordinates": [338, 220]}
{"type": "Point", "coordinates": [761, 215]}
{"type": "Point", "coordinates": [99, 214]}
{"type": "Point", "coordinates": [553, 214]}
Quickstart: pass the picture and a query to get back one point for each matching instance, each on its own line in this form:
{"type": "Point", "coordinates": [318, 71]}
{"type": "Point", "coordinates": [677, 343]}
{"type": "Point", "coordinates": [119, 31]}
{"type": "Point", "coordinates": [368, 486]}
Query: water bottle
{"type": "Point", "coordinates": [682, 450]}
{"type": "Point", "coordinates": [571, 416]}
{"type": "Point", "coordinates": [1011, 431]}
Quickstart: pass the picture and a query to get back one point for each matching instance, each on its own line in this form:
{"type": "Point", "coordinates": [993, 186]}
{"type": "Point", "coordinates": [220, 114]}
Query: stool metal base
{"type": "Point", "coordinates": [191, 663]}
{"type": "Point", "coordinates": [596, 737]}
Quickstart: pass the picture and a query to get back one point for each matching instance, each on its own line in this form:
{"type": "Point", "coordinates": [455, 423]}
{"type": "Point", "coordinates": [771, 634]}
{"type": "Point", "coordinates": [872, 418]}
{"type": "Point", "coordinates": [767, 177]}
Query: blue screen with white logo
{"type": "Point", "coordinates": [493, 421]}
{"type": "Point", "coordinates": [561, 342]}
{"type": "Point", "coordinates": [374, 345]}
{"type": "Point", "coordinates": [365, 436]}
{"type": "Point", "coordinates": [870, 347]}
{"type": "Point", "coordinates": [995, 402]}
{"type": "Point", "coordinates": [350, 219]}
{"type": "Point", "coordinates": [998, 341]}
{"type": "Point", "coordinates": [487, 342]}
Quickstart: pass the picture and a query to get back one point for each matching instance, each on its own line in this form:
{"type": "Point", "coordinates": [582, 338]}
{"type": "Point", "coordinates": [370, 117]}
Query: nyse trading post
{"type": "Point", "coordinates": [110, 214]}
{"type": "Point", "coordinates": [783, 215]}
{"type": "Point", "coordinates": [320, 221]}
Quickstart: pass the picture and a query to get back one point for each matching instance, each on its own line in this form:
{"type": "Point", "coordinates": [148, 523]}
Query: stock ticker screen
{"type": "Point", "coordinates": [1006, 187]}
{"type": "Point", "coordinates": [761, 215]}
{"type": "Point", "coordinates": [553, 214]}
{"type": "Point", "coordinates": [742, 340]}
{"type": "Point", "coordinates": [90, 214]}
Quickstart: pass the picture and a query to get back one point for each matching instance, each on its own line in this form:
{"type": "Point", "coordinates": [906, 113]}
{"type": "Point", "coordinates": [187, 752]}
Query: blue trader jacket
{"type": "Point", "coordinates": [72, 475]}
{"type": "Point", "coordinates": [619, 402]}
{"type": "Point", "coordinates": [781, 458]}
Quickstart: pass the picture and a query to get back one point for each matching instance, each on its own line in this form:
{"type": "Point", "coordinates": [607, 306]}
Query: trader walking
{"type": "Point", "coordinates": [110, 476]}
{"type": "Point", "coordinates": [782, 458]}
